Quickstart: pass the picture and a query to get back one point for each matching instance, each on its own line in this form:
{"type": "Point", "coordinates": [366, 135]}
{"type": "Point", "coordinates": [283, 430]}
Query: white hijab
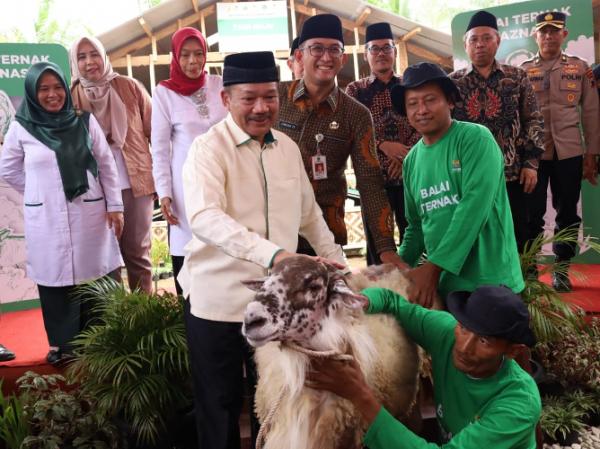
{"type": "Point", "coordinates": [107, 106]}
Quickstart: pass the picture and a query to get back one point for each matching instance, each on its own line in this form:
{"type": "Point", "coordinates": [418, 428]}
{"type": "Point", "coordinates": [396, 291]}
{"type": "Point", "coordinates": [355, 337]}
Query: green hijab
{"type": "Point", "coordinates": [65, 132]}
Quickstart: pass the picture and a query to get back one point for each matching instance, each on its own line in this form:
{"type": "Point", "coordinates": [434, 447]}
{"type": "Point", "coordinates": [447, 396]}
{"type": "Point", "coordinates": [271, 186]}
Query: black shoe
{"type": "Point", "coordinates": [6, 354]}
{"type": "Point", "coordinates": [54, 356]}
{"type": "Point", "coordinates": [561, 282]}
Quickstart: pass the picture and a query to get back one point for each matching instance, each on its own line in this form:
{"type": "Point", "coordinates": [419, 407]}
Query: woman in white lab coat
{"type": "Point", "coordinates": [183, 107]}
{"type": "Point", "coordinates": [59, 159]}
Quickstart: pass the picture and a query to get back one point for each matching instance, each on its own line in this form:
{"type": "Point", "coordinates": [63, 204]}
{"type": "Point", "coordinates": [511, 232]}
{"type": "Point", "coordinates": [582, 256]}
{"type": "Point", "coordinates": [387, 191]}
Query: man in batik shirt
{"type": "Point", "coordinates": [393, 135]}
{"type": "Point", "coordinates": [501, 98]}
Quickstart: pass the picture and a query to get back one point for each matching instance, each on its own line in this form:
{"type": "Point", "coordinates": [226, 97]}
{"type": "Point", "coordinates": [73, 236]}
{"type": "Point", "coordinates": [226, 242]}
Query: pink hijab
{"type": "Point", "coordinates": [179, 81]}
{"type": "Point", "coordinates": [107, 106]}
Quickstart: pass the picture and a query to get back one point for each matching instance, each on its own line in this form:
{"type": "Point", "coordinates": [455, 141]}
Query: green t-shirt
{"type": "Point", "coordinates": [458, 211]}
{"type": "Point", "coordinates": [497, 412]}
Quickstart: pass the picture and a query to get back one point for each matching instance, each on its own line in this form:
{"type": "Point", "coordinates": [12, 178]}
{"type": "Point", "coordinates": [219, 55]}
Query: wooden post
{"type": "Point", "coordinates": [129, 67]}
{"type": "Point", "coordinates": [203, 25]}
{"type": "Point", "coordinates": [355, 55]}
{"type": "Point", "coordinates": [152, 74]}
{"type": "Point", "coordinates": [293, 14]}
{"type": "Point", "coordinates": [402, 60]}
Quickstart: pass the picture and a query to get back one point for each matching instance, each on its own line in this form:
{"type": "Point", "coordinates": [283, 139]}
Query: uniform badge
{"type": "Point", "coordinates": [334, 125]}
{"type": "Point", "coordinates": [548, 17]}
{"type": "Point", "coordinates": [570, 98]}
{"type": "Point", "coordinates": [456, 165]}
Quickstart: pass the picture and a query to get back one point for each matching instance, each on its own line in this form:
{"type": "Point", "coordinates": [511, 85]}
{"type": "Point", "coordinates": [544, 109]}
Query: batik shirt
{"type": "Point", "coordinates": [347, 131]}
{"type": "Point", "coordinates": [389, 125]}
{"type": "Point", "coordinates": [506, 104]}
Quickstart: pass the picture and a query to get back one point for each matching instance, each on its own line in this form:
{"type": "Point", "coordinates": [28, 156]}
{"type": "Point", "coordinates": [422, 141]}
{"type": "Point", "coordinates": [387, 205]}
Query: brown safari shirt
{"type": "Point", "coordinates": [505, 103]}
{"type": "Point", "coordinates": [347, 130]}
{"type": "Point", "coordinates": [566, 94]}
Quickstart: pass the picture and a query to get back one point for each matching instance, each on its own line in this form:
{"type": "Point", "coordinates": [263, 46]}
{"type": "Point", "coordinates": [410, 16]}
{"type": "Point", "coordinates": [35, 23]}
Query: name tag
{"type": "Point", "coordinates": [319, 167]}
{"type": "Point", "coordinates": [287, 125]}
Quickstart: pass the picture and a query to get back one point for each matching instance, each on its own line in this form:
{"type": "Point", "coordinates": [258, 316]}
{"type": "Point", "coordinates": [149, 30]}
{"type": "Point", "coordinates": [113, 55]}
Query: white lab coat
{"type": "Point", "coordinates": [67, 242]}
{"type": "Point", "coordinates": [175, 125]}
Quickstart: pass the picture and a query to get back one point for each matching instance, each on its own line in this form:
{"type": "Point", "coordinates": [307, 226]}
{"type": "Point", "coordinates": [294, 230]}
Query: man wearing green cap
{"type": "Point", "coordinates": [566, 93]}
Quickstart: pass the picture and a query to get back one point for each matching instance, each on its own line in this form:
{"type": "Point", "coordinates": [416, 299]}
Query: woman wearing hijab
{"type": "Point", "coordinates": [59, 160]}
{"type": "Point", "coordinates": [123, 108]}
{"type": "Point", "coordinates": [184, 106]}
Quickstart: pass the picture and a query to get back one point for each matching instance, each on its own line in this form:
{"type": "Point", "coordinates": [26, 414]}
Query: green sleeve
{"type": "Point", "coordinates": [413, 243]}
{"type": "Point", "coordinates": [427, 328]}
{"type": "Point", "coordinates": [482, 172]}
{"type": "Point", "coordinates": [510, 424]}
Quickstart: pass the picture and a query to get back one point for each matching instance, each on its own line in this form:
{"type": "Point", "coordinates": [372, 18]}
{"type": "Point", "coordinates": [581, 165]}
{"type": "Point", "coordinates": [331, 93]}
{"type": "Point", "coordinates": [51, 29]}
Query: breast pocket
{"type": "Point", "coordinates": [569, 91]}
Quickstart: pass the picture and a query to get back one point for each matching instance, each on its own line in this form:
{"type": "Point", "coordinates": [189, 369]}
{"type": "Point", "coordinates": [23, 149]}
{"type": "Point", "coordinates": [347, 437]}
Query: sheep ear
{"type": "Point", "coordinates": [254, 284]}
{"type": "Point", "coordinates": [340, 292]}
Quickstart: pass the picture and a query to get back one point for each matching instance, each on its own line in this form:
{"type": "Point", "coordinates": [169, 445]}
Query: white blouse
{"type": "Point", "coordinates": [176, 121]}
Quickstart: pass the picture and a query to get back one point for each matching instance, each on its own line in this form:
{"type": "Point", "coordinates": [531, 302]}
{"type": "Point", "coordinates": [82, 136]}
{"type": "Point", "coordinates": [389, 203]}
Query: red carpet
{"type": "Point", "coordinates": [23, 332]}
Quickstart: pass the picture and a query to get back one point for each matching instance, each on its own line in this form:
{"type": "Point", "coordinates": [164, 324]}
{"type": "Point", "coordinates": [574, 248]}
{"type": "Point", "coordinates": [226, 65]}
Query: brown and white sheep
{"type": "Point", "coordinates": [303, 303]}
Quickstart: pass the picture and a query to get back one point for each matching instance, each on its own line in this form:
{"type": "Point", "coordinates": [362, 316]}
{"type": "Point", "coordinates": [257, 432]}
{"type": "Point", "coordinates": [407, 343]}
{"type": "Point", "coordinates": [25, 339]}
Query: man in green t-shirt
{"type": "Point", "coordinates": [455, 195]}
{"type": "Point", "coordinates": [483, 398]}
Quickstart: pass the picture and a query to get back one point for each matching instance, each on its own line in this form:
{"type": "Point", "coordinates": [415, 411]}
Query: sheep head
{"type": "Point", "coordinates": [291, 303]}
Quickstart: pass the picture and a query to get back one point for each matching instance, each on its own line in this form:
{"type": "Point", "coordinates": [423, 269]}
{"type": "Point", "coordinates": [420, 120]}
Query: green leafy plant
{"type": "Point", "coordinates": [585, 402]}
{"type": "Point", "coordinates": [134, 359]}
{"type": "Point", "coordinates": [574, 358]}
{"type": "Point", "coordinates": [61, 416]}
{"type": "Point", "coordinates": [13, 423]}
{"type": "Point", "coordinates": [559, 419]}
{"type": "Point", "coordinates": [548, 311]}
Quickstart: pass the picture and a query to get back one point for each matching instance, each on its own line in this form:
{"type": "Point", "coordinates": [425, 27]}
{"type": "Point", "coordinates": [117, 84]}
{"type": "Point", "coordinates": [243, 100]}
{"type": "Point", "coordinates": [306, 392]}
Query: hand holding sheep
{"type": "Point", "coordinates": [345, 379]}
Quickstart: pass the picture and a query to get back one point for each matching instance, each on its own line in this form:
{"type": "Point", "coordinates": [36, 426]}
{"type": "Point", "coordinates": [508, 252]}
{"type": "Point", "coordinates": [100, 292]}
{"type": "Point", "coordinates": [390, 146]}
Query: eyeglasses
{"type": "Point", "coordinates": [317, 50]}
{"type": "Point", "coordinates": [386, 49]}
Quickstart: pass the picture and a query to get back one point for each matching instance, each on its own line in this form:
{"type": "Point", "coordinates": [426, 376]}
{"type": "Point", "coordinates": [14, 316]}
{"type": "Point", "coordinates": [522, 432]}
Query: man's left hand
{"type": "Point", "coordinates": [393, 258]}
{"type": "Point", "coordinates": [425, 281]}
{"type": "Point", "coordinates": [345, 379]}
{"type": "Point", "coordinates": [590, 168]}
{"type": "Point", "coordinates": [528, 179]}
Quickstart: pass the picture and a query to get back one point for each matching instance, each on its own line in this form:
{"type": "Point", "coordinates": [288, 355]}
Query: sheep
{"type": "Point", "coordinates": [306, 308]}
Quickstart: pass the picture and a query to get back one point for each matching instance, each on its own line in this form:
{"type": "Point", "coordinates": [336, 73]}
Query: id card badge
{"type": "Point", "coordinates": [319, 167]}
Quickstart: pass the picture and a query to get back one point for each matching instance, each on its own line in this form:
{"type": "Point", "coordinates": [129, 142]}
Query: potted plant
{"type": "Point", "coordinates": [51, 414]}
{"type": "Point", "coordinates": [586, 402]}
{"type": "Point", "coordinates": [548, 311]}
{"type": "Point", "coordinates": [561, 424]}
{"type": "Point", "coordinates": [134, 360]}
{"type": "Point", "coordinates": [573, 360]}
{"type": "Point", "coordinates": [14, 426]}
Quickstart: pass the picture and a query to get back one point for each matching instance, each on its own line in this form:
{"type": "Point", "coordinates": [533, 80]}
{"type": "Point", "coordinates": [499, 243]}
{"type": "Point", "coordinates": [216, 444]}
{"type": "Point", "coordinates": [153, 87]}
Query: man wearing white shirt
{"type": "Point", "coordinates": [247, 197]}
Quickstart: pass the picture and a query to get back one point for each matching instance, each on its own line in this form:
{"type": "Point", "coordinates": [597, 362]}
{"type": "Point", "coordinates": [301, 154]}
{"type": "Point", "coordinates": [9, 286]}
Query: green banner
{"type": "Point", "coordinates": [516, 24]}
{"type": "Point", "coordinates": [15, 60]}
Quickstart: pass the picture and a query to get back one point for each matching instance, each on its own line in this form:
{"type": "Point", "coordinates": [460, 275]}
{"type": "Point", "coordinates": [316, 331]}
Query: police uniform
{"type": "Point", "coordinates": [566, 95]}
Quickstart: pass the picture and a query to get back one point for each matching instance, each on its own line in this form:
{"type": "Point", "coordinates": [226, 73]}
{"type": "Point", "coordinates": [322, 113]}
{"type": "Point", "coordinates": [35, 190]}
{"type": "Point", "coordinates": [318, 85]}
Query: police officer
{"type": "Point", "coordinates": [563, 84]}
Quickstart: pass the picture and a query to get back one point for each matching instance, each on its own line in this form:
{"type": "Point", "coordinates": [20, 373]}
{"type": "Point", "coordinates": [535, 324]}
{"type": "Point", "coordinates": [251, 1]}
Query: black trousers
{"type": "Point", "coordinates": [395, 195]}
{"type": "Point", "coordinates": [219, 356]}
{"type": "Point", "coordinates": [564, 178]}
{"type": "Point", "coordinates": [64, 316]}
{"type": "Point", "coordinates": [520, 204]}
{"type": "Point", "coordinates": [177, 262]}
